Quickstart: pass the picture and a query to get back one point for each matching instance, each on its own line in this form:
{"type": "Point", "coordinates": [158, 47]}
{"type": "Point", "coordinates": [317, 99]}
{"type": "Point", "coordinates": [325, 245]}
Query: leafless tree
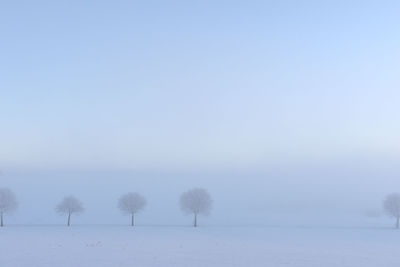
{"type": "Point", "coordinates": [392, 206]}
{"type": "Point", "coordinates": [8, 203]}
{"type": "Point", "coordinates": [196, 201]}
{"type": "Point", "coordinates": [70, 205]}
{"type": "Point", "coordinates": [131, 203]}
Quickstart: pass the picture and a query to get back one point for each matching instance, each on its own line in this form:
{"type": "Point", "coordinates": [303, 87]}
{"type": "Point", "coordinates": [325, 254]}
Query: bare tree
{"type": "Point", "coordinates": [131, 203]}
{"type": "Point", "coordinates": [70, 205]}
{"type": "Point", "coordinates": [196, 201]}
{"type": "Point", "coordinates": [392, 206]}
{"type": "Point", "coordinates": [8, 203]}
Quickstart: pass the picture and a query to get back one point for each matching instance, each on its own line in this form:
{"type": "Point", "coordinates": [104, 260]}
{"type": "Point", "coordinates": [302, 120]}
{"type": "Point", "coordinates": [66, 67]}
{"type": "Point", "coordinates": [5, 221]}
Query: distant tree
{"type": "Point", "coordinates": [391, 205]}
{"type": "Point", "coordinates": [8, 203]}
{"type": "Point", "coordinates": [70, 205]}
{"type": "Point", "coordinates": [196, 201]}
{"type": "Point", "coordinates": [131, 203]}
{"type": "Point", "coordinates": [372, 213]}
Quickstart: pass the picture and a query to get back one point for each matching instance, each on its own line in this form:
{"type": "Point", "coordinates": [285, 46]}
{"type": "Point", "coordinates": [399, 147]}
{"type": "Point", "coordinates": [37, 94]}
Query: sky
{"type": "Point", "coordinates": [175, 90]}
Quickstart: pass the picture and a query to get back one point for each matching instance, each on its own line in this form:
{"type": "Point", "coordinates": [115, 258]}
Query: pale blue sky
{"type": "Point", "coordinates": [197, 84]}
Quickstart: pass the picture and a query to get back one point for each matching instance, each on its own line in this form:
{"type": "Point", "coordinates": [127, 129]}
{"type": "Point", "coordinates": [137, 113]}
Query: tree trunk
{"type": "Point", "coordinates": [195, 220]}
{"type": "Point", "coordinates": [133, 219]}
{"type": "Point", "coordinates": [69, 219]}
{"type": "Point", "coordinates": [398, 222]}
{"type": "Point", "coordinates": [1, 220]}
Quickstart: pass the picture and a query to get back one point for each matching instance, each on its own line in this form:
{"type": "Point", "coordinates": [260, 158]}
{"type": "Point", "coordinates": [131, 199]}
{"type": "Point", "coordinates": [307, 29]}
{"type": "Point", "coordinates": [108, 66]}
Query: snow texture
{"type": "Point", "coordinates": [110, 246]}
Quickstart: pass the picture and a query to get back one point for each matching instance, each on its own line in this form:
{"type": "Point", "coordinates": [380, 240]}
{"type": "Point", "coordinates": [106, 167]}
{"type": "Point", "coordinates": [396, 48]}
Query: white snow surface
{"type": "Point", "coordinates": [100, 246]}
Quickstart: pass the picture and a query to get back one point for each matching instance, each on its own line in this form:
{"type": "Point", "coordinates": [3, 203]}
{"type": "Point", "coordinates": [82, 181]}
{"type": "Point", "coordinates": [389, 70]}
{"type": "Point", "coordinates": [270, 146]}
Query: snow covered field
{"type": "Point", "coordinates": [56, 246]}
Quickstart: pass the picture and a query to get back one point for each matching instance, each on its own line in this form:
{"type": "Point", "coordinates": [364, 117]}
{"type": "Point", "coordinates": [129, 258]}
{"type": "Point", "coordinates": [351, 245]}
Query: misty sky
{"type": "Point", "coordinates": [161, 84]}
{"type": "Point", "coordinates": [201, 87]}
